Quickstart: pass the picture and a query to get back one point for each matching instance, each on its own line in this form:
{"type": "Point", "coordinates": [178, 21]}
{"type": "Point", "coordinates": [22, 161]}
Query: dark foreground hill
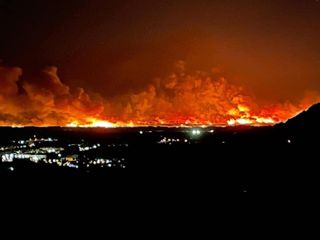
{"type": "Point", "coordinates": [308, 120]}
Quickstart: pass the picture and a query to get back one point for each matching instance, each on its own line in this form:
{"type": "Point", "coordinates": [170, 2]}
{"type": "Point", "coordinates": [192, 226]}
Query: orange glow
{"type": "Point", "coordinates": [92, 123]}
{"type": "Point", "coordinates": [263, 120]}
{"type": "Point", "coordinates": [181, 99]}
{"type": "Point", "coordinates": [100, 123]}
{"type": "Point", "coordinates": [242, 116]}
{"type": "Point", "coordinates": [239, 121]}
{"type": "Point", "coordinates": [243, 108]}
{"type": "Point", "coordinates": [73, 124]}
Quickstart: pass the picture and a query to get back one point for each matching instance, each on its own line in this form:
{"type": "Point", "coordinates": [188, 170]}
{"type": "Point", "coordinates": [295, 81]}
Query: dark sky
{"type": "Point", "coordinates": [270, 46]}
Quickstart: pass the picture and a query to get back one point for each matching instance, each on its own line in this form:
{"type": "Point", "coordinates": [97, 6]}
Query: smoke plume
{"type": "Point", "coordinates": [182, 98]}
{"type": "Point", "coordinates": [43, 102]}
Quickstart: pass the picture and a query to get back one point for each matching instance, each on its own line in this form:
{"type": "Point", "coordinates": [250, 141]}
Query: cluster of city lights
{"type": "Point", "coordinates": [40, 150]}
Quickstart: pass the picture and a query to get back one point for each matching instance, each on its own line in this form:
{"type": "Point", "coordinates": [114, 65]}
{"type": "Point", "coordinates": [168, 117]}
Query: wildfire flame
{"type": "Point", "coordinates": [181, 99]}
{"type": "Point", "coordinates": [242, 116]}
{"type": "Point", "coordinates": [92, 123]}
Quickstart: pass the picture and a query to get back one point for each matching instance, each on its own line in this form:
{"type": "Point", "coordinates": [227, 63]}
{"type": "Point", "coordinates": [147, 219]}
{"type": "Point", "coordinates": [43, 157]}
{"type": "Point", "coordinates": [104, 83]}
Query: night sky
{"type": "Point", "coordinates": [111, 47]}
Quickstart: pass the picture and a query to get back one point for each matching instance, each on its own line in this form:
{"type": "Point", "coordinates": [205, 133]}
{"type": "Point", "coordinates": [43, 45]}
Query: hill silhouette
{"type": "Point", "coordinates": [309, 118]}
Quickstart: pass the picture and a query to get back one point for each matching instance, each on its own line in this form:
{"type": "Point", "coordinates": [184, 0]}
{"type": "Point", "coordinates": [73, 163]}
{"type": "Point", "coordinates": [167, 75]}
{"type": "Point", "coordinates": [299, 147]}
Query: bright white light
{"type": "Point", "coordinates": [196, 132]}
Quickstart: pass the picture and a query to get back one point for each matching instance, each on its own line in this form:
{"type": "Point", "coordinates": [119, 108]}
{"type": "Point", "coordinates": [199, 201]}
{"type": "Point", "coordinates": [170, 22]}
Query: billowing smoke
{"type": "Point", "coordinates": [181, 98]}
{"type": "Point", "coordinates": [44, 101]}
{"type": "Point", "coordinates": [200, 98]}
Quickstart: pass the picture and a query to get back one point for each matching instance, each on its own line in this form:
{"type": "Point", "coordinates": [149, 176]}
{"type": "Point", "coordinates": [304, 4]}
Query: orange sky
{"type": "Point", "coordinates": [115, 48]}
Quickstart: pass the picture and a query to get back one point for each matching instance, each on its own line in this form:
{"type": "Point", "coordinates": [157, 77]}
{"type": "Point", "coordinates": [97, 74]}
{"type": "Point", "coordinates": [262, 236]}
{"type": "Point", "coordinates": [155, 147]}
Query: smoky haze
{"type": "Point", "coordinates": [181, 98]}
{"type": "Point", "coordinates": [114, 48]}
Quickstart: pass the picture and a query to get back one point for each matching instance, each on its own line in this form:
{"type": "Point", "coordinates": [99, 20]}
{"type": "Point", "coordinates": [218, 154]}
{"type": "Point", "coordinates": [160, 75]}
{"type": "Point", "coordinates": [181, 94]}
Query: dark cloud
{"type": "Point", "coordinates": [44, 101]}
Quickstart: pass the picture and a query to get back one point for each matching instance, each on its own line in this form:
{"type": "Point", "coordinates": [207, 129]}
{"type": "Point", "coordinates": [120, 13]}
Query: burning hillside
{"type": "Point", "coordinates": [180, 99]}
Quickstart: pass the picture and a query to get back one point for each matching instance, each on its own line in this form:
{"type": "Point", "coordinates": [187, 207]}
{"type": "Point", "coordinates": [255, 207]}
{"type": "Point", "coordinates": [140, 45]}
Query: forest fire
{"type": "Point", "coordinates": [181, 99]}
{"type": "Point", "coordinates": [242, 116]}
